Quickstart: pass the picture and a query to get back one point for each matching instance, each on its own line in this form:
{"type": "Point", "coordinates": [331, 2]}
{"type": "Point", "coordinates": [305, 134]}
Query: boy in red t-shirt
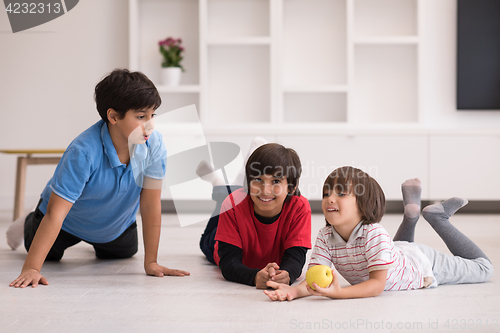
{"type": "Point", "coordinates": [263, 231]}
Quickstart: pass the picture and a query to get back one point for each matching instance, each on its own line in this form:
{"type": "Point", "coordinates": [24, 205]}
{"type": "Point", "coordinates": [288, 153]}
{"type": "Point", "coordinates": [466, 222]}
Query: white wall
{"type": "Point", "coordinates": [47, 79]}
{"type": "Point", "coordinates": [48, 73]}
{"type": "Point", "coordinates": [438, 61]}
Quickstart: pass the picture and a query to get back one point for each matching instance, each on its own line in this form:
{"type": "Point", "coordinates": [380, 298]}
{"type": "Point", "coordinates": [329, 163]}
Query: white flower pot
{"type": "Point", "coordinates": [170, 76]}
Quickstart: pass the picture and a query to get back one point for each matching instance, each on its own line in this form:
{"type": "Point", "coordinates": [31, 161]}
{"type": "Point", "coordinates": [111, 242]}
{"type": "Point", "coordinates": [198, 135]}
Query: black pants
{"type": "Point", "coordinates": [125, 246]}
{"type": "Point", "coordinates": [207, 241]}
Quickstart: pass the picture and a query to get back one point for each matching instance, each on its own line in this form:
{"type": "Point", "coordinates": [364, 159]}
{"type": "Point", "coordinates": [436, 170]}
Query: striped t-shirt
{"type": "Point", "coordinates": [369, 248]}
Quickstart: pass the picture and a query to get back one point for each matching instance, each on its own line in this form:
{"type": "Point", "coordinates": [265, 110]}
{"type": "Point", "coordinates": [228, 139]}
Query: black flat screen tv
{"type": "Point", "coordinates": [478, 55]}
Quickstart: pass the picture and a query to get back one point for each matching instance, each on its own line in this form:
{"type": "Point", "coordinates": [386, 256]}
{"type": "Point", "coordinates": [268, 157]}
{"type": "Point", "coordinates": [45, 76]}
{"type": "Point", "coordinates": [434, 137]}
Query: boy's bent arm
{"type": "Point", "coordinates": [45, 236]}
{"type": "Point", "coordinates": [150, 206]}
{"type": "Point", "coordinates": [232, 267]}
{"type": "Point", "coordinates": [374, 286]}
{"type": "Point", "coordinates": [293, 261]}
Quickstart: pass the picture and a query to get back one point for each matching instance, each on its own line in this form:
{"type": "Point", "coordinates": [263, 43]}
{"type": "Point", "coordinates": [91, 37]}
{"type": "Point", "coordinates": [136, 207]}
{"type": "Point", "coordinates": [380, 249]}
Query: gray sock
{"type": "Point", "coordinates": [411, 190]}
{"type": "Point", "coordinates": [438, 217]}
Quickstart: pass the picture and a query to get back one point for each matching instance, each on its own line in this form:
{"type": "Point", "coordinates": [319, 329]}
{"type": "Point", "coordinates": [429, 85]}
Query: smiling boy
{"type": "Point", "coordinates": [105, 174]}
{"type": "Point", "coordinates": [263, 231]}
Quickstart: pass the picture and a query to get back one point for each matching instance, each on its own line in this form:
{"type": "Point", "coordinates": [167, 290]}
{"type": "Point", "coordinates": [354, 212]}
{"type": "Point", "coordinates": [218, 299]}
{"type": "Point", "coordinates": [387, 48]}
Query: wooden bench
{"type": "Point", "coordinates": [23, 161]}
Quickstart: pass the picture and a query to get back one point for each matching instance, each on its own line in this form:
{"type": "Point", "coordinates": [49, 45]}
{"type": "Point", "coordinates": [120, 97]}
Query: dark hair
{"type": "Point", "coordinates": [370, 197]}
{"type": "Point", "coordinates": [123, 90]}
{"type": "Point", "coordinates": [274, 159]}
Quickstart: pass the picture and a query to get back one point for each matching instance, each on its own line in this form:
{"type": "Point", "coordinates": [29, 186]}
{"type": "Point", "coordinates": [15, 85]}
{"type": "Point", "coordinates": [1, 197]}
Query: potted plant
{"type": "Point", "coordinates": [171, 50]}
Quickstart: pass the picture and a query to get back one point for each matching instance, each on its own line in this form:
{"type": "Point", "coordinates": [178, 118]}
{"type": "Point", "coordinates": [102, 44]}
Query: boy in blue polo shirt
{"type": "Point", "coordinates": [105, 174]}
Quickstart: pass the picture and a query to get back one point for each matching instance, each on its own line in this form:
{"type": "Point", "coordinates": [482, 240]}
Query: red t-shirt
{"type": "Point", "coordinates": [262, 243]}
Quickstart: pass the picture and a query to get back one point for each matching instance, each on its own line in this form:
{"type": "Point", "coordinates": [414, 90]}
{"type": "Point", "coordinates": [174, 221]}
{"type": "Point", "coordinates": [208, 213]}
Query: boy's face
{"type": "Point", "coordinates": [137, 125]}
{"type": "Point", "coordinates": [341, 211]}
{"type": "Point", "coordinates": [268, 194]}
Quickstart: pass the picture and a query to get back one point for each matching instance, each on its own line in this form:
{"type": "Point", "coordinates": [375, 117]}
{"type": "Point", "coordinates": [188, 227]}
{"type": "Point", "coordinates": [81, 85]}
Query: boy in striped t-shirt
{"type": "Point", "coordinates": [362, 251]}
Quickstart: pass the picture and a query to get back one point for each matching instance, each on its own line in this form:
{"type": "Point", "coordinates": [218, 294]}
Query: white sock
{"type": "Point", "coordinates": [206, 172]}
{"type": "Point", "coordinates": [15, 233]}
{"type": "Point", "coordinates": [256, 143]}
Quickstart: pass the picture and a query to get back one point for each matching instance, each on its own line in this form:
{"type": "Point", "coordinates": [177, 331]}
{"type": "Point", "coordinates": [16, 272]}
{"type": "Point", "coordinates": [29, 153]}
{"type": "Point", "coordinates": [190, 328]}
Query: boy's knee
{"type": "Point", "coordinates": [122, 254]}
{"type": "Point", "coordinates": [412, 210]}
{"type": "Point", "coordinates": [132, 252]}
{"type": "Point", "coordinates": [488, 269]}
{"type": "Point", "coordinates": [53, 257]}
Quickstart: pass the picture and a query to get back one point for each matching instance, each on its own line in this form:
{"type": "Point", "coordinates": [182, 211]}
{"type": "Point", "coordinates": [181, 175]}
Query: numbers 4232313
{"type": "Point", "coordinates": [33, 8]}
{"type": "Point", "coordinates": [471, 324]}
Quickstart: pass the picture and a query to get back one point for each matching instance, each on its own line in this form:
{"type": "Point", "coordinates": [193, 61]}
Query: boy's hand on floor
{"type": "Point", "coordinates": [157, 270]}
{"type": "Point", "coordinates": [282, 292]}
{"type": "Point", "coordinates": [30, 276]}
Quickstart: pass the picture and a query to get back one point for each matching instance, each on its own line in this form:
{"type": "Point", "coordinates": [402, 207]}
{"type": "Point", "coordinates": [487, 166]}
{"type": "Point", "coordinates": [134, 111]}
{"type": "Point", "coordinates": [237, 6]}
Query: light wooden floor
{"type": "Point", "coordinates": [89, 295]}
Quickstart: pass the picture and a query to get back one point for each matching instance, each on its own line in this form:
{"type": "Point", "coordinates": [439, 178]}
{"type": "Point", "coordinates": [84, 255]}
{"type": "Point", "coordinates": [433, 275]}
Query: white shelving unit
{"type": "Point", "coordinates": [276, 63]}
{"type": "Point", "coordinates": [335, 75]}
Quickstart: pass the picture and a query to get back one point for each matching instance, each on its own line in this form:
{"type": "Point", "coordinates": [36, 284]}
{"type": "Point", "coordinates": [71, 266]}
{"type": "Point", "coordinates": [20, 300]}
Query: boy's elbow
{"type": "Point", "coordinates": [379, 291]}
{"type": "Point", "coordinates": [225, 275]}
{"type": "Point", "coordinates": [377, 279]}
{"type": "Point", "coordinates": [54, 218]}
{"type": "Point", "coordinates": [378, 288]}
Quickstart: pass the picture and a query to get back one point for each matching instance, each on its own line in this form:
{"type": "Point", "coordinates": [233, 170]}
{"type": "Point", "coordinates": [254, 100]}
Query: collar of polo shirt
{"type": "Point", "coordinates": [336, 239]}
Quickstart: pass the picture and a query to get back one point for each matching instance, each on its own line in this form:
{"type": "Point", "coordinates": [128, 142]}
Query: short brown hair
{"type": "Point", "coordinates": [274, 159]}
{"type": "Point", "coordinates": [369, 195]}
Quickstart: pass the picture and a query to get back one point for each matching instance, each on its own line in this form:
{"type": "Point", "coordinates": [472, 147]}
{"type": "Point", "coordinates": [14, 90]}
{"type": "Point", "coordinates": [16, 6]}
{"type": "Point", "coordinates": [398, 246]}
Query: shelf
{"type": "Point", "coordinates": [385, 17]}
{"type": "Point", "coordinates": [321, 129]}
{"type": "Point", "coordinates": [238, 18]}
{"type": "Point", "coordinates": [385, 84]}
{"type": "Point", "coordinates": [193, 88]}
{"type": "Point", "coordinates": [314, 43]}
{"type": "Point", "coordinates": [386, 40]}
{"type": "Point", "coordinates": [316, 89]}
{"type": "Point", "coordinates": [174, 101]}
{"type": "Point", "coordinates": [148, 26]}
{"type": "Point", "coordinates": [240, 41]}
{"type": "Point", "coordinates": [315, 107]}
{"type": "Point", "coordinates": [239, 88]}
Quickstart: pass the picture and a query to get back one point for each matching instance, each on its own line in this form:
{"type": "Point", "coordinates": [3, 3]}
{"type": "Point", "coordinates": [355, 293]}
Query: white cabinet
{"type": "Point", "coordinates": [465, 166]}
{"type": "Point", "coordinates": [389, 159]}
{"type": "Point", "coordinates": [281, 62]}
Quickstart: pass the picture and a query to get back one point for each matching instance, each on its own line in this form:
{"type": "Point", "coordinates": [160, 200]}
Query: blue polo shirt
{"type": "Point", "coordinates": [104, 192]}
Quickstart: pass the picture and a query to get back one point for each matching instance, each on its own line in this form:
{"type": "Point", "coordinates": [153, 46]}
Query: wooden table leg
{"type": "Point", "coordinates": [22, 162]}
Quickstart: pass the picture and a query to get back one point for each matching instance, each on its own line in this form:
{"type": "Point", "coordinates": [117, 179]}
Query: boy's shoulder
{"type": "Point", "coordinates": [234, 199]}
{"type": "Point", "coordinates": [89, 139]}
{"type": "Point", "coordinates": [88, 146]}
{"type": "Point", "coordinates": [299, 202]}
{"type": "Point", "coordinates": [375, 230]}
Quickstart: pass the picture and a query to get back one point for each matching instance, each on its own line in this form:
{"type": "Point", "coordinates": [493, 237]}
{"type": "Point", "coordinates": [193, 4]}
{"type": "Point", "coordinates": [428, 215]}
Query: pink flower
{"type": "Point", "coordinates": [167, 42]}
{"type": "Point", "coordinates": [171, 49]}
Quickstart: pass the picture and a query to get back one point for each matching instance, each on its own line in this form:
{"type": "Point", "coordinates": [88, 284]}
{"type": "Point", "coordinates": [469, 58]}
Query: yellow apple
{"type": "Point", "coordinates": [320, 274]}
